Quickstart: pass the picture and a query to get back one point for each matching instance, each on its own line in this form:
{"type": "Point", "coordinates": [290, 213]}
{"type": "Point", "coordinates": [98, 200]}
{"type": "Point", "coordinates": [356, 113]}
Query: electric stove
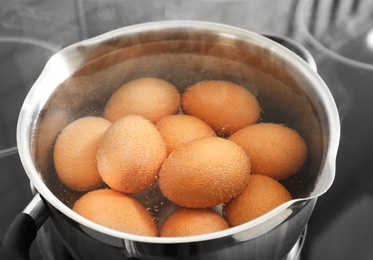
{"type": "Point", "coordinates": [32, 31]}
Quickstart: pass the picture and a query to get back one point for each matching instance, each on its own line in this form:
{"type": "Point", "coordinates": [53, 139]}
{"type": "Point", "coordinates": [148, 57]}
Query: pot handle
{"type": "Point", "coordinates": [295, 47]}
{"type": "Point", "coordinates": [22, 231]}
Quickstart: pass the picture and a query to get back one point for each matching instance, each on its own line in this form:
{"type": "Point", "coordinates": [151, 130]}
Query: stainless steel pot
{"type": "Point", "coordinates": [78, 81]}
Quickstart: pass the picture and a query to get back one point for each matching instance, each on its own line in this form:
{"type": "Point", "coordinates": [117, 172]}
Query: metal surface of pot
{"type": "Point", "coordinates": [78, 81]}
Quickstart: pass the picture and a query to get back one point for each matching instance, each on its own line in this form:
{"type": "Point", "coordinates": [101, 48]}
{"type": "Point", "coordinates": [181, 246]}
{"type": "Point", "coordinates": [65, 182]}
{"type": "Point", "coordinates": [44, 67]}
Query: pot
{"type": "Point", "coordinates": [78, 80]}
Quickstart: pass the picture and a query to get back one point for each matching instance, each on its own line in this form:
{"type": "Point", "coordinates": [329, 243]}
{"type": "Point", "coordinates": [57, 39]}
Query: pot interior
{"type": "Point", "coordinates": [184, 56]}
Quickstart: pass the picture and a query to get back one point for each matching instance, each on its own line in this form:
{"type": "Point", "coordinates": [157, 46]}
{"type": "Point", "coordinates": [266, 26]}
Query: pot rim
{"type": "Point", "coordinates": [49, 76]}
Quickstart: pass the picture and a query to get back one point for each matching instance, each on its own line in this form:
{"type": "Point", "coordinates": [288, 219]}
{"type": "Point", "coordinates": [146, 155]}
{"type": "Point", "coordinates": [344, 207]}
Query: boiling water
{"type": "Point", "coordinates": [87, 91]}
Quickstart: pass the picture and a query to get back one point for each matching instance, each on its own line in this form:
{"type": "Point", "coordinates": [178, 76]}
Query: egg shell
{"type": "Point", "coordinates": [225, 106]}
{"type": "Point", "coordinates": [117, 211]}
{"type": "Point", "coordinates": [204, 172]}
{"type": "Point", "coordinates": [75, 150]}
{"type": "Point", "coordinates": [151, 98]}
{"type": "Point", "coordinates": [192, 222]}
{"type": "Point", "coordinates": [261, 195]}
{"type": "Point", "coordinates": [130, 154]}
{"type": "Point", "coordinates": [179, 129]}
{"type": "Point", "coordinates": [274, 149]}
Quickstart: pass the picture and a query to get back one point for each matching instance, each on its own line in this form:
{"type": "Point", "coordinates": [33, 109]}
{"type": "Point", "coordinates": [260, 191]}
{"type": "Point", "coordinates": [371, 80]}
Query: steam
{"type": "Point", "coordinates": [65, 22]}
{"type": "Point", "coordinates": [62, 23]}
{"type": "Point", "coordinates": [38, 22]}
{"type": "Point", "coordinates": [53, 26]}
{"type": "Point", "coordinates": [343, 94]}
{"type": "Point", "coordinates": [250, 14]}
{"type": "Point", "coordinates": [312, 31]}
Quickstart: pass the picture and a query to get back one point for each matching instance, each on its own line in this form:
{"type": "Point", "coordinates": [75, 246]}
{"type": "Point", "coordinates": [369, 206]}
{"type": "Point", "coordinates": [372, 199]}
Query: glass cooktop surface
{"type": "Point", "coordinates": [341, 224]}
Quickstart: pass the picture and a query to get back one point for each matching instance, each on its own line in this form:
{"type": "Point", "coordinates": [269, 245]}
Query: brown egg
{"type": "Point", "coordinates": [261, 195]}
{"type": "Point", "coordinates": [204, 172]}
{"type": "Point", "coordinates": [225, 106]}
{"type": "Point", "coordinates": [117, 211]}
{"type": "Point", "coordinates": [179, 129]}
{"type": "Point", "coordinates": [151, 98]}
{"type": "Point", "coordinates": [274, 149]}
{"type": "Point", "coordinates": [75, 153]}
{"type": "Point", "coordinates": [130, 154]}
{"type": "Point", "coordinates": [192, 222]}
